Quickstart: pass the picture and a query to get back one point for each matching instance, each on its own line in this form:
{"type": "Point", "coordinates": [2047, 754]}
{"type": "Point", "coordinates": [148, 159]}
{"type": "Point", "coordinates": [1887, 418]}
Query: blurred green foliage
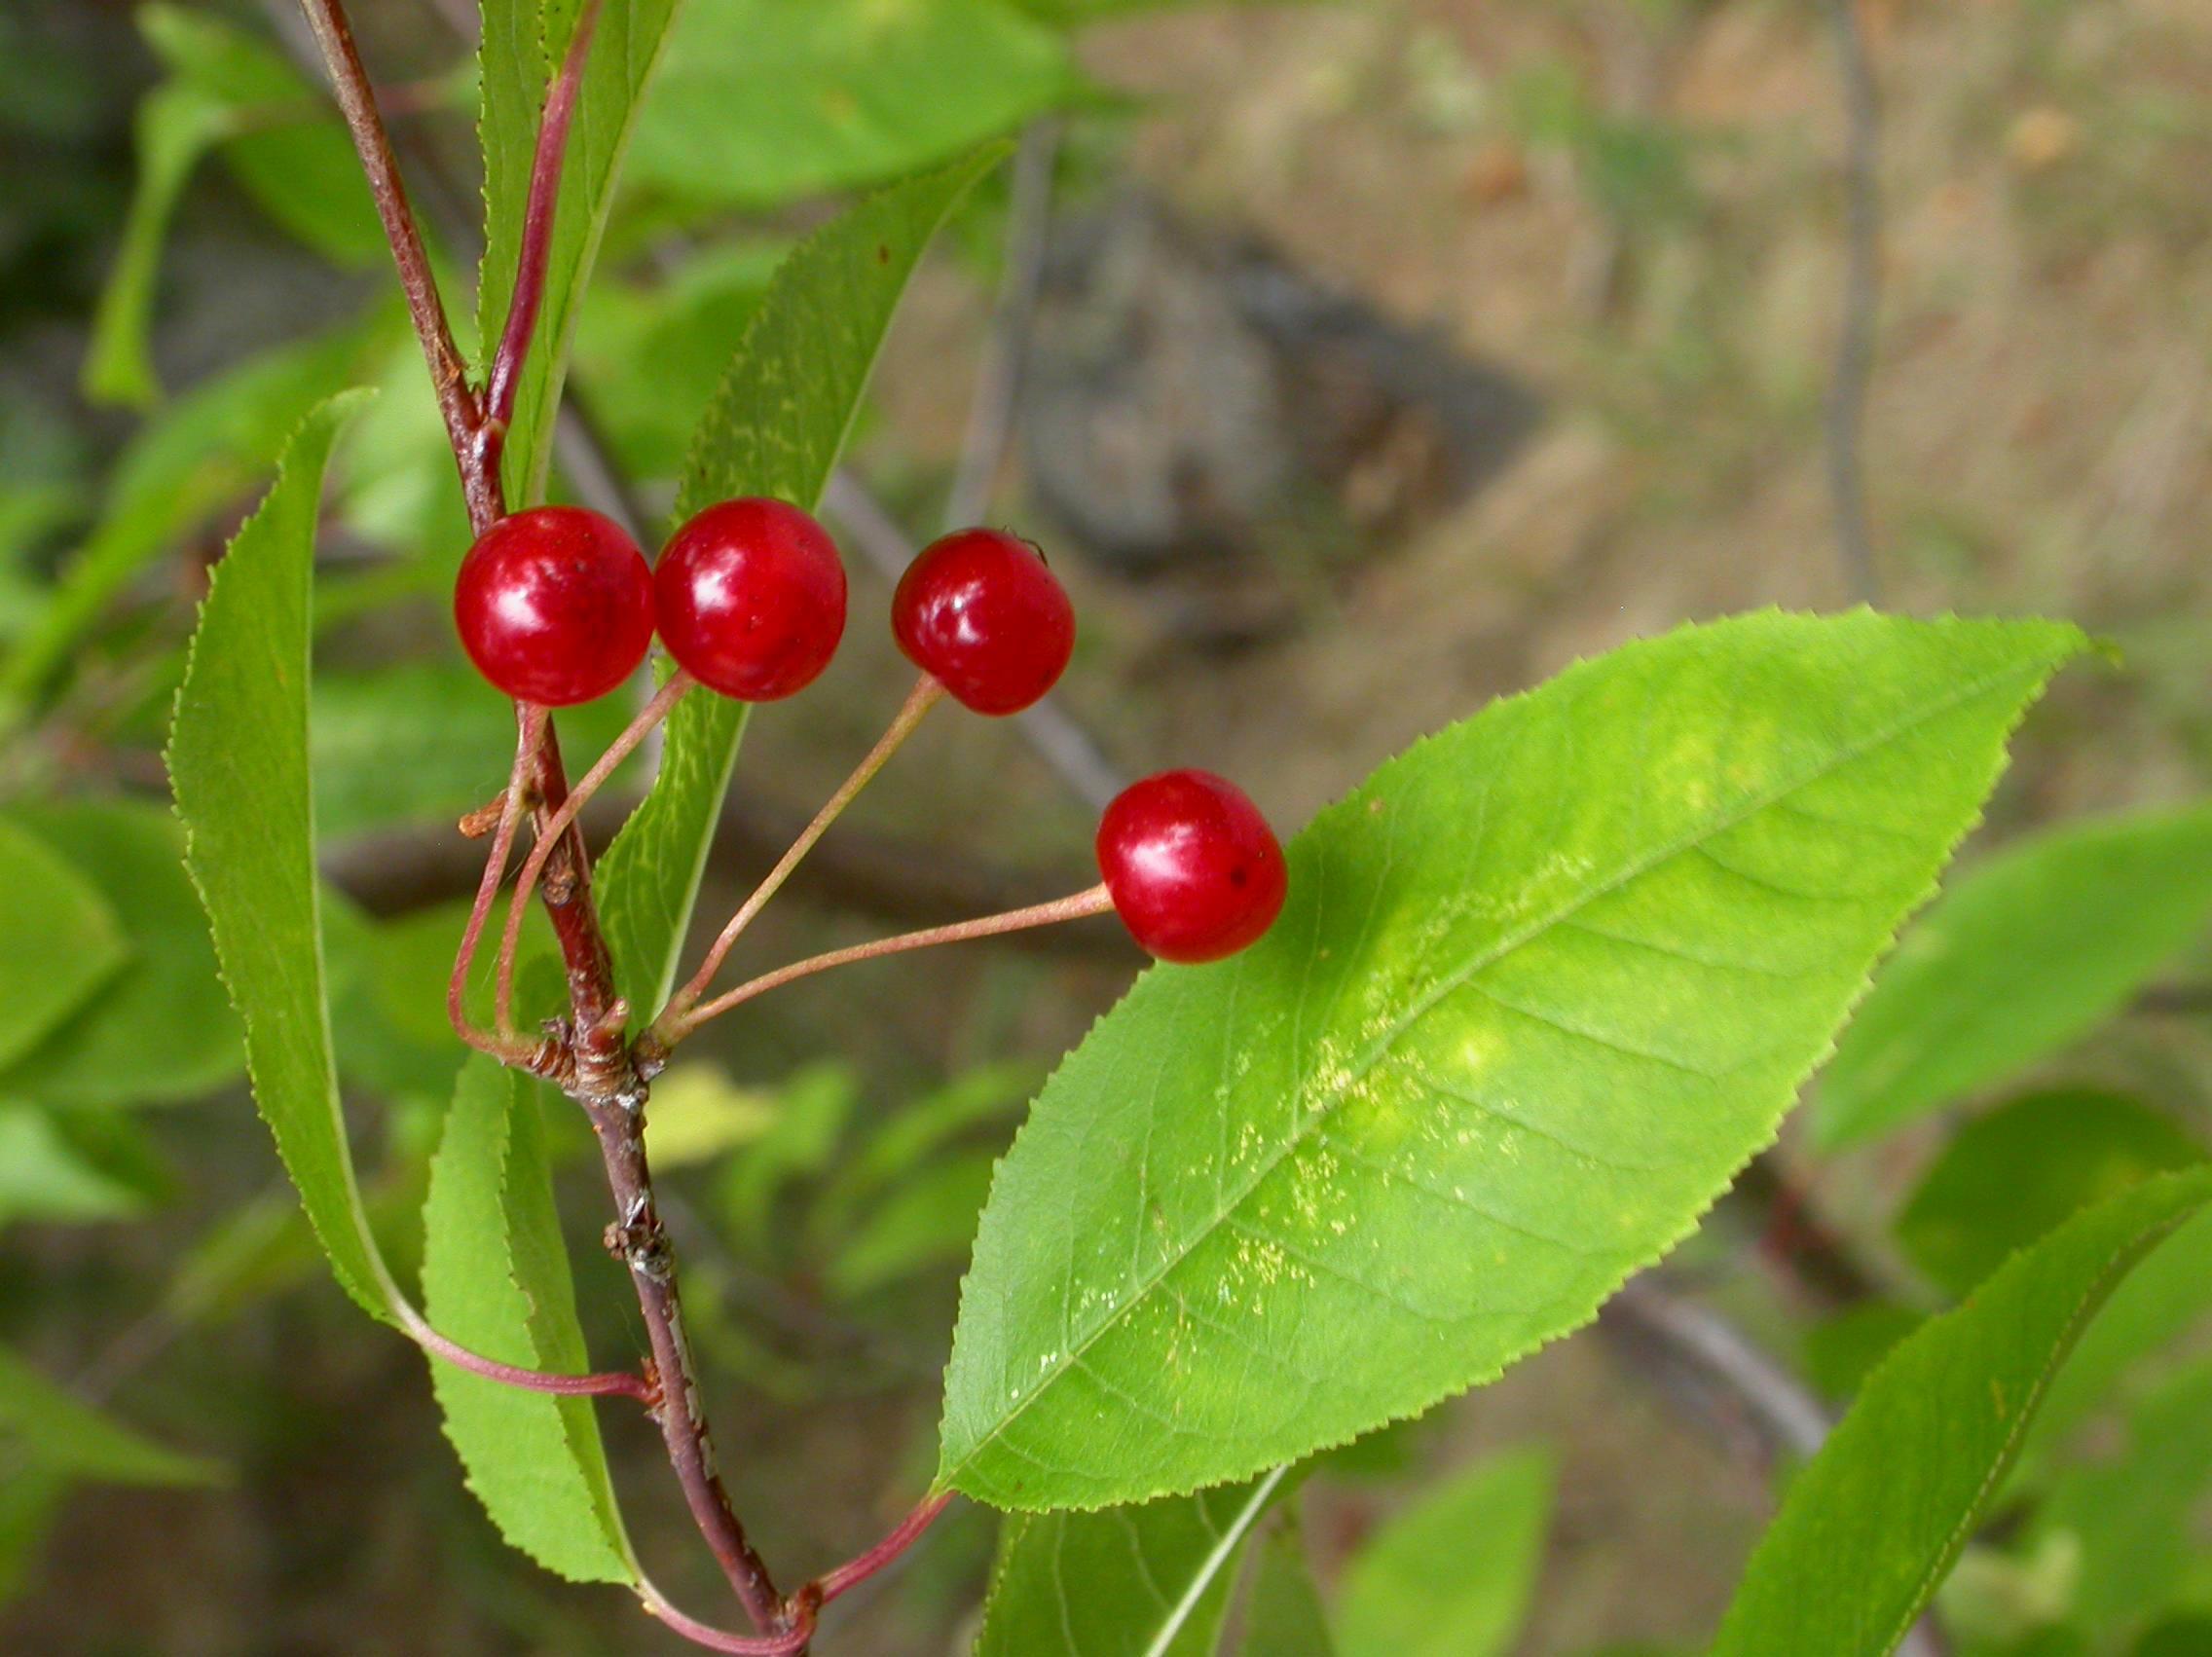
{"type": "Point", "coordinates": [825, 1195]}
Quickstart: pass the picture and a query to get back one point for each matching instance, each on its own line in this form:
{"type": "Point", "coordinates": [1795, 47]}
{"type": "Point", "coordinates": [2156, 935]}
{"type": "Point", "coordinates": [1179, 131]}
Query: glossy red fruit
{"type": "Point", "coordinates": [750, 599]}
{"type": "Point", "coordinates": [555, 606]}
{"type": "Point", "coordinates": [980, 612]}
{"type": "Point", "coordinates": [1194, 870]}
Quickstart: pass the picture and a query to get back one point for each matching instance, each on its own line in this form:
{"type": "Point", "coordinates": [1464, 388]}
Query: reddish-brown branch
{"type": "Point", "coordinates": [639, 1240]}
{"type": "Point", "coordinates": [449, 375]}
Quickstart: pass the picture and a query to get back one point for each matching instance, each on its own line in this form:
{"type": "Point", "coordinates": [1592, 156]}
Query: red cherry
{"type": "Point", "coordinates": [555, 606]}
{"type": "Point", "coordinates": [980, 612]}
{"type": "Point", "coordinates": [1194, 870]}
{"type": "Point", "coordinates": [750, 597]}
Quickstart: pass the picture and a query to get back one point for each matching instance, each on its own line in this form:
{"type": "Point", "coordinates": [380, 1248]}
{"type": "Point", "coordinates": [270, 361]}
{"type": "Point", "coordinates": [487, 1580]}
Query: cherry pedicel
{"type": "Point", "coordinates": [979, 610]}
{"type": "Point", "coordinates": [751, 597]}
{"type": "Point", "coordinates": [555, 606]}
{"type": "Point", "coordinates": [1194, 870]}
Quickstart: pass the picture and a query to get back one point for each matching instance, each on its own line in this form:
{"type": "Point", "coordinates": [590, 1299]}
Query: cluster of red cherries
{"type": "Point", "coordinates": [557, 605]}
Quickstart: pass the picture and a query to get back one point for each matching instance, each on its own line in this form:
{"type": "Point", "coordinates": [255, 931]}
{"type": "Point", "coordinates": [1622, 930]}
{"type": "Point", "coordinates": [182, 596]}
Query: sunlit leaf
{"type": "Point", "coordinates": [1543, 984]}
{"type": "Point", "coordinates": [2031, 951]}
{"type": "Point", "coordinates": [699, 1115]}
{"type": "Point", "coordinates": [1874, 1522]}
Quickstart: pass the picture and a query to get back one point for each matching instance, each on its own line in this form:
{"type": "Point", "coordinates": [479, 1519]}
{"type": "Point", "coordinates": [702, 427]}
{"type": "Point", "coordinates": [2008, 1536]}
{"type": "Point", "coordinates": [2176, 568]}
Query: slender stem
{"type": "Point", "coordinates": [612, 1385]}
{"type": "Point", "coordinates": [853, 1573]}
{"type": "Point", "coordinates": [531, 266]}
{"type": "Point", "coordinates": [449, 375]}
{"type": "Point", "coordinates": [925, 695]}
{"type": "Point", "coordinates": [1092, 902]}
{"type": "Point", "coordinates": [557, 827]}
{"type": "Point", "coordinates": [503, 1046]}
{"type": "Point", "coordinates": [787, 1643]}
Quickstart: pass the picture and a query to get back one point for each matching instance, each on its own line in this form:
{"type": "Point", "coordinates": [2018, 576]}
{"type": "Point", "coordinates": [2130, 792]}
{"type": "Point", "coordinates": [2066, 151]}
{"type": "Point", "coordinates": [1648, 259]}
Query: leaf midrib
{"type": "Point", "coordinates": [1358, 1071]}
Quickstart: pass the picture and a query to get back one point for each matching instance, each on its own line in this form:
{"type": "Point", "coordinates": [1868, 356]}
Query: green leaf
{"type": "Point", "coordinates": [1453, 1574]}
{"type": "Point", "coordinates": [523, 44]}
{"type": "Point", "coordinates": [977, 1098]}
{"type": "Point", "coordinates": [224, 90]}
{"type": "Point", "coordinates": [60, 940]}
{"type": "Point", "coordinates": [2164, 1299]}
{"type": "Point", "coordinates": [239, 761]}
{"type": "Point", "coordinates": [1843, 1349]}
{"type": "Point", "coordinates": [699, 1113]}
{"type": "Point", "coordinates": [2032, 950]}
{"type": "Point", "coordinates": [1149, 1581]}
{"type": "Point", "coordinates": [1874, 1522]}
{"type": "Point", "coordinates": [201, 451]}
{"type": "Point", "coordinates": [2008, 1177]}
{"type": "Point", "coordinates": [176, 125]}
{"type": "Point", "coordinates": [408, 741]}
{"type": "Point", "coordinates": [810, 1112]}
{"type": "Point", "coordinates": [1544, 983]}
{"type": "Point", "coordinates": [29, 1499]}
{"type": "Point", "coordinates": [1284, 1617]}
{"type": "Point", "coordinates": [281, 140]}
{"type": "Point", "coordinates": [652, 355]}
{"type": "Point", "coordinates": [2129, 1522]}
{"type": "Point", "coordinates": [495, 1278]}
{"type": "Point", "coordinates": [2184, 1637]}
{"type": "Point", "coordinates": [51, 1428]}
{"type": "Point", "coordinates": [46, 1179]}
{"type": "Point", "coordinates": [764, 100]}
{"type": "Point", "coordinates": [921, 1225]}
{"type": "Point", "coordinates": [161, 1029]}
{"type": "Point", "coordinates": [775, 428]}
